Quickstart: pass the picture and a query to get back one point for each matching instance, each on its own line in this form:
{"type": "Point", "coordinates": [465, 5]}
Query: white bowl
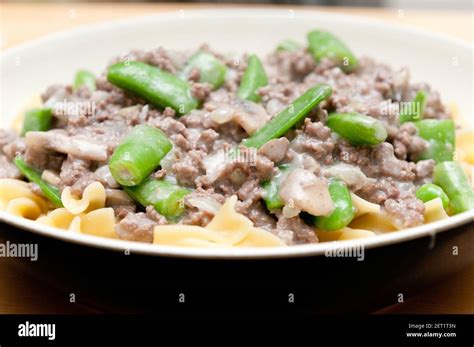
{"type": "Point", "coordinates": [443, 62]}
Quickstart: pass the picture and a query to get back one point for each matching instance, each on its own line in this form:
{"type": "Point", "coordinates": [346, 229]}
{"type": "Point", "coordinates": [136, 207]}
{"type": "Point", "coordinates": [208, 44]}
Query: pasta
{"type": "Point", "coordinates": [227, 229]}
{"type": "Point", "coordinates": [100, 222]}
{"type": "Point", "coordinates": [93, 198]}
{"type": "Point", "coordinates": [11, 189]}
{"type": "Point", "coordinates": [350, 233]}
{"type": "Point", "coordinates": [363, 206]}
{"type": "Point", "coordinates": [24, 207]}
{"type": "Point", "coordinates": [434, 211]}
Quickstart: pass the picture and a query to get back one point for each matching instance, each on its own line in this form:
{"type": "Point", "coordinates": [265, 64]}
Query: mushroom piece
{"type": "Point", "coordinates": [275, 149]}
{"type": "Point", "coordinates": [59, 141]}
{"type": "Point", "coordinates": [303, 190]}
{"type": "Point", "coordinates": [352, 175]}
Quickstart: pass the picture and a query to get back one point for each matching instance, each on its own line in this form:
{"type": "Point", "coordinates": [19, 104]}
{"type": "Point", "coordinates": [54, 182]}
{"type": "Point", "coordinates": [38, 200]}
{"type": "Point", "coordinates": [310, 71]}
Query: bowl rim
{"type": "Point", "coordinates": [318, 249]}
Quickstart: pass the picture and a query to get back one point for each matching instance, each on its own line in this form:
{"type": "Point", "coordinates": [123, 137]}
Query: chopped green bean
{"type": "Point", "coordinates": [211, 70]}
{"type": "Point", "coordinates": [34, 176]}
{"type": "Point", "coordinates": [154, 85]}
{"type": "Point", "coordinates": [138, 155]}
{"type": "Point", "coordinates": [288, 45]}
{"type": "Point", "coordinates": [323, 44]}
{"type": "Point", "coordinates": [344, 210]}
{"type": "Point", "coordinates": [358, 129]}
{"type": "Point", "coordinates": [271, 188]}
{"type": "Point", "coordinates": [429, 191]}
{"type": "Point", "coordinates": [37, 119]}
{"type": "Point", "coordinates": [414, 110]}
{"type": "Point", "coordinates": [165, 197]}
{"type": "Point", "coordinates": [450, 176]}
{"type": "Point", "coordinates": [254, 77]}
{"type": "Point", "coordinates": [286, 119]}
{"type": "Point", "coordinates": [440, 134]}
{"type": "Point", "coordinates": [84, 78]}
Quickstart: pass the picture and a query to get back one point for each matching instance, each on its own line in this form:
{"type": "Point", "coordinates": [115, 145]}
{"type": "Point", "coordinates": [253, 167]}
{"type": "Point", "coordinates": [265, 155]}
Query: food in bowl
{"type": "Point", "coordinates": [202, 149]}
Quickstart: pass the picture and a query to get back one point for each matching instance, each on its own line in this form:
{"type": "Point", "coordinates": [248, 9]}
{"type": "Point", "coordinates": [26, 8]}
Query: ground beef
{"type": "Point", "coordinates": [14, 148]}
{"type": "Point", "coordinates": [380, 190]}
{"type": "Point", "coordinates": [424, 169]}
{"type": "Point", "coordinates": [188, 167]}
{"type": "Point", "coordinates": [201, 91]}
{"type": "Point", "coordinates": [8, 169]}
{"type": "Point", "coordinates": [297, 228]}
{"type": "Point", "coordinates": [158, 57]}
{"type": "Point", "coordinates": [294, 64]}
{"type": "Point", "coordinates": [384, 163]}
{"type": "Point", "coordinates": [316, 140]}
{"type": "Point", "coordinates": [407, 144]}
{"type": "Point", "coordinates": [77, 174]}
{"type": "Point", "coordinates": [405, 212]}
{"type": "Point", "coordinates": [136, 227]}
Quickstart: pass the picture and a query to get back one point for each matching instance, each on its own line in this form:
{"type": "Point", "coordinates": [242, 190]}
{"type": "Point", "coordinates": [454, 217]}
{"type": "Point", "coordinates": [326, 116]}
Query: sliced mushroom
{"type": "Point", "coordinates": [250, 116]}
{"type": "Point", "coordinates": [304, 190]}
{"type": "Point", "coordinates": [276, 149]}
{"type": "Point", "coordinates": [59, 141]}
{"type": "Point", "coordinates": [350, 174]}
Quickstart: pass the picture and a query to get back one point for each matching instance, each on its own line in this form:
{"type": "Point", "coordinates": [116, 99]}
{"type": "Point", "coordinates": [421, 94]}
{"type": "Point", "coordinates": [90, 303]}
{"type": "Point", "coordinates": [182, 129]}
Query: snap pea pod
{"type": "Point", "coordinates": [138, 155]}
{"type": "Point", "coordinates": [344, 209]}
{"type": "Point", "coordinates": [430, 191]}
{"type": "Point", "coordinates": [288, 45]}
{"type": "Point", "coordinates": [440, 135]}
{"type": "Point", "coordinates": [165, 197]}
{"type": "Point", "coordinates": [84, 78]}
{"type": "Point", "coordinates": [254, 77]}
{"type": "Point", "coordinates": [49, 191]}
{"type": "Point", "coordinates": [323, 44]}
{"type": "Point", "coordinates": [271, 188]}
{"type": "Point", "coordinates": [37, 119]}
{"type": "Point", "coordinates": [211, 70]}
{"type": "Point", "coordinates": [450, 176]}
{"type": "Point", "coordinates": [358, 129]}
{"type": "Point", "coordinates": [414, 110]}
{"type": "Point", "coordinates": [154, 85]}
{"type": "Point", "coordinates": [286, 119]}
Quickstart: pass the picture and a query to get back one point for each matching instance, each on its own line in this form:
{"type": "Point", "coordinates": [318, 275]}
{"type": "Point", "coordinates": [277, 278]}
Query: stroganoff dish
{"type": "Point", "coordinates": [202, 149]}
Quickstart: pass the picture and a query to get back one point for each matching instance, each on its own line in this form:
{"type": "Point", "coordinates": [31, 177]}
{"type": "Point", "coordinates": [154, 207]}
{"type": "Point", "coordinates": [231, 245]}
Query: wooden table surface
{"type": "Point", "coordinates": [24, 22]}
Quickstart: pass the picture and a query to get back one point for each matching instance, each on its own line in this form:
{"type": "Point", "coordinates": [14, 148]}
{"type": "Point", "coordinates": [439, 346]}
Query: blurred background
{"type": "Point", "coordinates": [420, 4]}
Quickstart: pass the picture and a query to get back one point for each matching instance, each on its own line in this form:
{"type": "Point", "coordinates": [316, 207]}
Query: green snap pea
{"type": "Point", "coordinates": [211, 70]}
{"type": "Point", "coordinates": [288, 45]}
{"type": "Point", "coordinates": [430, 191]}
{"type": "Point", "coordinates": [154, 85]}
{"type": "Point", "coordinates": [414, 110]}
{"type": "Point", "coordinates": [34, 176]}
{"type": "Point", "coordinates": [138, 155]}
{"type": "Point", "coordinates": [450, 176]}
{"type": "Point", "coordinates": [165, 197]}
{"type": "Point", "coordinates": [84, 78]}
{"type": "Point", "coordinates": [37, 119]}
{"type": "Point", "coordinates": [286, 119]}
{"type": "Point", "coordinates": [254, 77]}
{"type": "Point", "coordinates": [440, 134]}
{"type": "Point", "coordinates": [358, 129]}
{"type": "Point", "coordinates": [344, 209]}
{"type": "Point", "coordinates": [323, 44]}
{"type": "Point", "coordinates": [271, 188]}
